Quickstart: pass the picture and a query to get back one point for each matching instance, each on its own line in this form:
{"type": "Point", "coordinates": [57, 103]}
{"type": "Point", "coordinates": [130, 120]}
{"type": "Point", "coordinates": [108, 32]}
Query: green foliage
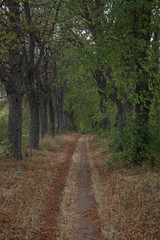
{"type": "Point", "coordinates": [83, 101]}
{"type": "Point", "coordinates": [117, 36]}
{"type": "Point", "coordinates": [3, 130]}
{"type": "Point", "coordinates": [9, 151]}
{"type": "Point", "coordinates": [154, 133]}
{"type": "Point", "coordinates": [82, 98]}
{"type": "Point", "coordinates": [126, 143]}
{"type": "Point", "coordinates": [107, 55]}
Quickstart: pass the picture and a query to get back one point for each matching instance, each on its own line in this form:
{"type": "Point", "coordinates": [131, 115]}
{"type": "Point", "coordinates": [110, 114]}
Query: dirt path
{"type": "Point", "coordinates": [79, 217]}
{"type": "Point", "coordinates": [48, 228]}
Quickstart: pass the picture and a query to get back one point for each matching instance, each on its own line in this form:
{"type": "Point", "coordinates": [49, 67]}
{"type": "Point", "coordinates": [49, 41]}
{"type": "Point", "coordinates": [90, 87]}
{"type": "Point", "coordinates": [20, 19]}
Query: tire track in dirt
{"type": "Point", "coordinates": [79, 218]}
{"type": "Point", "coordinates": [48, 228]}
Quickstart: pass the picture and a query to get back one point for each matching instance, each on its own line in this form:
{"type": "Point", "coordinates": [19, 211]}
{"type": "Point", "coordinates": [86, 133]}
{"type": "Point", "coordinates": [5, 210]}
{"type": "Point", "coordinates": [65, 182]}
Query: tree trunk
{"type": "Point", "coordinates": [51, 115]}
{"type": "Point", "coordinates": [124, 111]}
{"type": "Point", "coordinates": [142, 20]}
{"type": "Point", "coordinates": [14, 82]}
{"type": "Point", "coordinates": [33, 141]}
{"type": "Point", "coordinates": [60, 115]}
{"type": "Point", "coordinates": [44, 116]}
{"type": "Point", "coordinates": [32, 84]}
{"type": "Point", "coordinates": [58, 119]}
{"type": "Point", "coordinates": [101, 83]}
{"type": "Point", "coordinates": [14, 132]}
{"type": "Point", "coordinates": [142, 117]}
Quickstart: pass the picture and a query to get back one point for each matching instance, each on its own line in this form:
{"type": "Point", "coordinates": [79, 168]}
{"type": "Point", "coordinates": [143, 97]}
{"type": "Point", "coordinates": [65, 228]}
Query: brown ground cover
{"type": "Point", "coordinates": [128, 197]}
{"type": "Point", "coordinates": [54, 195]}
{"type": "Point", "coordinates": [79, 218]}
{"type": "Point", "coordinates": [31, 189]}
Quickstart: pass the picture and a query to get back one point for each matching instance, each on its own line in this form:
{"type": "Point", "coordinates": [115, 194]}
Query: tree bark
{"type": "Point", "coordinates": [44, 116]}
{"type": "Point", "coordinates": [32, 84]}
{"type": "Point", "coordinates": [34, 105]}
{"type": "Point", "coordinates": [61, 117]}
{"type": "Point", "coordinates": [124, 111]}
{"type": "Point", "coordinates": [142, 20]}
{"type": "Point", "coordinates": [14, 132]}
{"type": "Point", "coordinates": [51, 115]}
{"type": "Point", "coordinates": [13, 82]}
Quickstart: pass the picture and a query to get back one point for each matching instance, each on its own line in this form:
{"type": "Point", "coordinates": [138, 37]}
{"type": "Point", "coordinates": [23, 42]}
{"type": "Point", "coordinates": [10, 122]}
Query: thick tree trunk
{"type": "Point", "coordinates": [14, 83]}
{"type": "Point", "coordinates": [34, 105]}
{"type": "Point", "coordinates": [106, 124]}
{"type": "Point", "coordinates": [124, 111]}
{"type": "Point", "coordinates": [44, 116]}
{"type": "Point", "coordinates": [32, 84]}
{"type": "Point", "coordinates": [14, 132]}
{"type": "Point", "coordinates": [142, 20]}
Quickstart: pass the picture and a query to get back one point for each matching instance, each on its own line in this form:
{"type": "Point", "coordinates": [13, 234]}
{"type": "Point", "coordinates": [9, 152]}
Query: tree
{"type": "Point", "coordinates": [12, 74]}
{"type": "Point", "coordinates": [39, 38]}
{"type": "Point", "coordinates": [116, 40]}
{"type": "Point", "coordinates": [136, 48]}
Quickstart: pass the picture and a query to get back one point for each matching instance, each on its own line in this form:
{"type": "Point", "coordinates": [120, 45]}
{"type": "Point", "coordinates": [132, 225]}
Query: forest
{"type": "Point", "coordinates": [88, 68]}
{"type": "Point", "coordinates": [95, 63]}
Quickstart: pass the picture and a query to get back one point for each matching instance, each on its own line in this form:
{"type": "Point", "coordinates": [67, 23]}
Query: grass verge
{"type": "Point", "coordinates": [128, 197]}
{"type": "Point", "coordinates": [67, 224]}
{"type": "Point", "coordinates": [24, 186]}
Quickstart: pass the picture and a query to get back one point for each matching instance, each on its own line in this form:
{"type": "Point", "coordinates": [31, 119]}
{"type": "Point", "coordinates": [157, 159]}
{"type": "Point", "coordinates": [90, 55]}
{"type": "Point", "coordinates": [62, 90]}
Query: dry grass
{"type": "Point", "coordinates": [67, 224]}
{"type": "Point", "coordinates": [128, 198]}
{"type": "Point", "coordinates": [24, 185]}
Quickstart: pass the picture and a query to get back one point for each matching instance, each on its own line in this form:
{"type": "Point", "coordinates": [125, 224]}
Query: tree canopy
{"type": "Point", "coordinates": [96, 60]}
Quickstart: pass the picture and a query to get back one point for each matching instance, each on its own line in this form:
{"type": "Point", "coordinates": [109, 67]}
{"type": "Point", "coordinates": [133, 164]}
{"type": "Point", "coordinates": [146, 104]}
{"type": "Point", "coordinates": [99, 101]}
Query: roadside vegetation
{"type": "Point", "coordinates": [25, 184]}
{"type": "Point", "coordinates": [128, 196]}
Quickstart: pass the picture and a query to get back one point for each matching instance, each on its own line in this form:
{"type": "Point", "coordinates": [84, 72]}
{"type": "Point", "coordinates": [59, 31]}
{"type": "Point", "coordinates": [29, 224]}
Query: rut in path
{"type": "Point", "coordinates": [84, 217]}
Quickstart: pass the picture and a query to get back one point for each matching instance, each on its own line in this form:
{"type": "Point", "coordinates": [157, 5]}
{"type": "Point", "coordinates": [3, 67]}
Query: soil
{"type": "Point", "coordinates": [87, 218]}
{"type": "Point", "coordinates": [85, 215]}
{"type": "Point", "coordinates": [48, 227]}
{"type": "Point", "coordinates": [79, 218]}
{"type": "Point", "coordinates": [52, 195]}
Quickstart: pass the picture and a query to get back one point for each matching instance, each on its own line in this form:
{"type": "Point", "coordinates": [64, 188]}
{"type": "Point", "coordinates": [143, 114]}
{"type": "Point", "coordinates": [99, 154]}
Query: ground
{"type": "Point", "coordinates": [79, 216]}
{"type": "Point", "coordinates": [67, 191]}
